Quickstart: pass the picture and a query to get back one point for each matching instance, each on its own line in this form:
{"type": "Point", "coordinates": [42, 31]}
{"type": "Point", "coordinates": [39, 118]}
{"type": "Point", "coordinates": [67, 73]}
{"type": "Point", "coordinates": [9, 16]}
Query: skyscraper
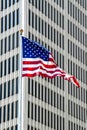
{"type": "Point", "coordinates": [43, 103]}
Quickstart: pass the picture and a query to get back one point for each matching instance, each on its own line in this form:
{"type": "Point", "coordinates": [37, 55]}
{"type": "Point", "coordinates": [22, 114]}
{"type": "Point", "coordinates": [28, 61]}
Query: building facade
{"type": "Point", "coordinates": [43, 103]}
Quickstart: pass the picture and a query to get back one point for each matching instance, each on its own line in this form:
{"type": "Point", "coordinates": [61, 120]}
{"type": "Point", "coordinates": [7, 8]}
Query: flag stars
{"type": "Point", "coordinates": [32, 49]}
{"type": "Point", "coordinates": [24, 46]}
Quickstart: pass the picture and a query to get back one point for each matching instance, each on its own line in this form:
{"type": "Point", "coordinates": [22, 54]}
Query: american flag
{"type": "Point", "coordinates": [37, 60]}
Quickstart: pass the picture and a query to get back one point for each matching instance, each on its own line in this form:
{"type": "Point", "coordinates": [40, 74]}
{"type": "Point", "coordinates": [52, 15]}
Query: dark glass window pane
{"type": "Point", "coordinates": [1, 69]}
{"type": "Point", "coordinates": [13, 1]}
{"type": "Point", "coordinates": [17, 57]}
{"type": "Point", "coordinates": [13, 87]}
{"type": "Point", "coordinates": [10, 2]}
{"type": "Point", "coordinates": [8, 88]}
{"type": "Point", "coordinates": [0, 91]}
{"type": "Point", "coordinates": [0, 114]}
{"type": "Point", "coordinates": [17, 17]}
{"type": "Point", "coordinates": [5, 47]}
{"type": "Point", "coordinates": [12, 109]}
{"type": "Point", "coordinates": [33, 19]}
{"type": "Point", "coordinates": [4, 114]}
{"type": "Point", "coordinates": [28, 109]}
{"type": "Point", "coordinates": [35, 112]}
{"type": "Point", "coordinates": [9, 43]}
{"type": "Point", "coordinates": [13, 64]}
{"type": "Point", "coordinates": [5, 4]}
{"type": "Point", "coordinates": [29, 86]}
{"type": "Point", "coordinates": [13, 18]}
{"type": "Point", "coordinates": [29, 13]}
{"type": "Point", "coordinates": [9, 21]}
{"type": "Point", "coordinates": [5, 22]}
{"type": "Point", "coordinates": [16, 109]}
{"type": "Point", "coordinates": [32, 111]}
{"type": "Point", "coordinates": [13, 41]}
{"type": "Point", "coordinates": [1, 47]}
{"type": "Point", "coordinates": [5, 67]}
{"type": "Point", "coordinates": [35, 89]}
{"type": "Point", "coordinates": [8, 112]}
{"type": "Point", "coordinates": [4, 90]}
{"type": "Point", "coordinates": [2, 25]}
{"type": "Point", "coordinates": [1, 5]}
{"type": "Point", "coordinates": [17, 39]}
{"type": "Point", "coordinates": [12, 128]}
{"type": "Point", "coordinates": [16, 85]}
{"type": "Point", "coordinates": [16, 127]}
{"type": "Point", "coordinates": [9, 66]}
{"type": "Point", "coordinates": [38, 113]}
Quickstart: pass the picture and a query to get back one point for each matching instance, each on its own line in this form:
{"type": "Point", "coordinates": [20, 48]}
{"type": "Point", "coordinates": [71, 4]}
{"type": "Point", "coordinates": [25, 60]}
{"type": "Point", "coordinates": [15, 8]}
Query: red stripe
{"type": "Point", "coordinates": [40, 67]}
{"type": "Point", "coordinates": [40, 73]}
{"type": "Point", "coordinates": [39, 62]}
{"type": "Point", "coordinates": [45, 75]}
{"type": "Point", "coordinates": [74, 80]}
{"type": "Point", "coordinates": [63, 74]}
{"type": "Point", "coordinates": [30, 69]}
{"type": "Point", "coordinates": [51, 59]}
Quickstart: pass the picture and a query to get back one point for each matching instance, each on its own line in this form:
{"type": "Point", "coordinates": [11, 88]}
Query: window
{"type": "Point", "coordinates": [13, 87]}
{"type": "Point", "coordinates": [0, 91]}
{"type": "Point", "coordinates": [5, 63]}
{"type": "Point", "coordinates": [13, 1]}
{"type": "Point", "coordinates": [5, 4]}
{"type": "Point", "coordinates": [17, 39]}
{"type": "Point", "coordinates": [12, 109]}
{"type": "Point", "coordinates": [9, 24]}
{"type": "Point", "coordinates": [13, 64]}
{"type": "Point", "coordinates": [0, 114]}
{"type": "Point", "coordinates": [9, 88]}
{"type": "Point", "coordinates": [17, 22]}
{"type": "Point", "coordinates": [1, 51]}
{"type": "Point", "coordinates": [1, 5]}
{"type": "Point", "coordinates": [9, 2]}
{"type": "Point", "coordinates": [2, 24]}
{"type": "Point", "coordinates": [1, 69]}
{"type": "Point", "coordinates": [17, 85]}
{"type": "Point", "coordinates": [29, 109]}
{"type": "Point", "coordinates": [13, 40]}
{"type": "Point", "coordinates": [16, 109]}
{"type": "Point", "coordinates": [60, 3]}
{"type": "Point", "coordinates": [13, 19]}
{"type": "Point", "coordinates": [4, 113]}
{"type": "Point", "coordinates": [46, 8]}
{"type": "Point", "coordinates": [12, 128]}
{"type": "Point", "coordinates": [4, 90]}
{"type": "Point", "coordinates": [16, 127]}
{"type": "Point", "coordinates": [8, 112]}
{"type": "Point", "coordinates": [6, 22]}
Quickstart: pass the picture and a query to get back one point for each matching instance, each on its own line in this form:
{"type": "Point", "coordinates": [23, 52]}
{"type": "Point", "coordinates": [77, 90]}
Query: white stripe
{"type": "Point", "coordinates": [71, 79]}
{"type": "Point", "coordinates": [43, 71]}
{"type": "Point", "coordinates": [38, 65]}
{"type": "Point", "coordinates": [39, 59]}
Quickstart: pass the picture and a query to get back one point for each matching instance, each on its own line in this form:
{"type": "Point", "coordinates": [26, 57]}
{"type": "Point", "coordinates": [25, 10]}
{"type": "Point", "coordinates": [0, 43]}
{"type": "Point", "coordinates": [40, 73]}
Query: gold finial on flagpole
{"type": "Point", "coordinates": [21, 31]}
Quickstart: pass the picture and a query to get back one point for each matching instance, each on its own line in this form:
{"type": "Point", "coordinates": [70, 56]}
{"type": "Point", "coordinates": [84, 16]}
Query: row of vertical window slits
{"type": "Point", "coordinates": [7, 3]}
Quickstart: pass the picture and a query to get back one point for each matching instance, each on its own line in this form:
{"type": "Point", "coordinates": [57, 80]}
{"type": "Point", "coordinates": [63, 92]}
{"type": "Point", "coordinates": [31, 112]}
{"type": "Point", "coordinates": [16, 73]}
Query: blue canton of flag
{"type": "Point", "coordinates": [33, 49]}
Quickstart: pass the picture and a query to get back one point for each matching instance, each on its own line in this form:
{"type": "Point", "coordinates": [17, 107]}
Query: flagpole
{"type": "Point", "coordinates": [20, 82]}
